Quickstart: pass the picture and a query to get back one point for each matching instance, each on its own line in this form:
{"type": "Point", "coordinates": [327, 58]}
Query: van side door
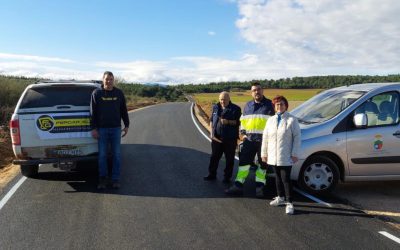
{"type": "Point", "coordinates": [375, 150]}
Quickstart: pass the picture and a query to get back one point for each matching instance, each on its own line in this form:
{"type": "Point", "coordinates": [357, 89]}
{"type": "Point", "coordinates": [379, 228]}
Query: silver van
{"type": "Point", "coordinates": [51, 124]}
{"type": "Point", "coordinates": [349, 133]}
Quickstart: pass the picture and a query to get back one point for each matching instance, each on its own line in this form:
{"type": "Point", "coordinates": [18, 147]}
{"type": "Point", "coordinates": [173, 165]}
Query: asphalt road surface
{"type": "Point", "coordinates": [165, 204]}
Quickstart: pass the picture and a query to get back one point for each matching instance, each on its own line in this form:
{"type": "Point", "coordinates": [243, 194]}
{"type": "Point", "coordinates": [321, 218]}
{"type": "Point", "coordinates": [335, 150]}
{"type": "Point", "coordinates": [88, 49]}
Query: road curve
{"type": "Point", "coordinates": [164, 203]}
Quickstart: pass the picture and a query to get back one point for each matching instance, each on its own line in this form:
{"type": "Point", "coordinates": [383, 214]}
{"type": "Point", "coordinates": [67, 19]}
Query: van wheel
{"type": "Point", "coordinates": [319, 175]}
{"type": "Point", "coordinates": [30, 170]}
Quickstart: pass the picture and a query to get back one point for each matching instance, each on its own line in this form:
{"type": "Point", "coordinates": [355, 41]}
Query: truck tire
{"type": "Point", "coordinates": [319, 175]}
{"type": "Point", "coordinates": [30, 170]}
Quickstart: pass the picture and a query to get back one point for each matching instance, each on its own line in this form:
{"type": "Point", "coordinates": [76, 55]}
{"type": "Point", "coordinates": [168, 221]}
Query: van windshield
{"type": "Point", "coordinates": [325, 105]}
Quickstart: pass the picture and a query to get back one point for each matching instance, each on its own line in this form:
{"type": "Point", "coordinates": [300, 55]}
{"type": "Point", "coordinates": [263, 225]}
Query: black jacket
{"type": "Point", "coordinates": [107, 108]}
{"type": "Point", "coordinates": [231, 112]}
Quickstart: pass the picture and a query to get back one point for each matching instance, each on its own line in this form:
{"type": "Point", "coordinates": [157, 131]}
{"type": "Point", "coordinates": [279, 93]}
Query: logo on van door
{"type": "Point", "coordinates": [45, 123]}
{"type": "Point", "coordinates": [378, 143]}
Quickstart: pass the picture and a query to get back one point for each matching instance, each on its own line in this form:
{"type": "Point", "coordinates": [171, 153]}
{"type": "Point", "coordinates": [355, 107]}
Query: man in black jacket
{"type": "Point", "coordinates": [107, 108]}
{"type": "Point", "coordinates": [224, 124]}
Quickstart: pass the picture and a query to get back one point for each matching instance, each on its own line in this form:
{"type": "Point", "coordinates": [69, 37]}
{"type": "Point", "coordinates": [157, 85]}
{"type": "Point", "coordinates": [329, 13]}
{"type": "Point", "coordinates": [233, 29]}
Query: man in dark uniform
{"type": "Point", "coordinates": [224, 134]}
{"type": "Point", "coordinates": [253, 121]}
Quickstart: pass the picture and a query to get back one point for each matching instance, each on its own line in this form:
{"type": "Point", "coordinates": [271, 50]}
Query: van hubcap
{"type": "Point", "coordinates": [318, 176]}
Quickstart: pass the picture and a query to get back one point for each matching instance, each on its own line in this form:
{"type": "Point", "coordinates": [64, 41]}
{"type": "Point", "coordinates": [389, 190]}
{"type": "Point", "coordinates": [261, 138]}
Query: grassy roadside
{"type": "Point", "coordinates": [6, 154]}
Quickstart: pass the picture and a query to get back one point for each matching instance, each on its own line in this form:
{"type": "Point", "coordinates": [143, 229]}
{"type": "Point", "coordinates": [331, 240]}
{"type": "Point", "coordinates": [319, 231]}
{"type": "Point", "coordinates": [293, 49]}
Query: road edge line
{"type": "Point", "coordinates": [11, 192]}
{"type": "Point", "coordinates": [195, 123]}
{"type": "Point", "coordinates": [309, 196]}
{"type": "Point", "coordinates": [390, 236]}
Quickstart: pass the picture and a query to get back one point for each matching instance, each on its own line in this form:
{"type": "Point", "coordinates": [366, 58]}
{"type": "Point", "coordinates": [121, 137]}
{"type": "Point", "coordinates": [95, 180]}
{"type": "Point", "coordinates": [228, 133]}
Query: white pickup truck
{"type": "Point", "coordinates": [51, 124]}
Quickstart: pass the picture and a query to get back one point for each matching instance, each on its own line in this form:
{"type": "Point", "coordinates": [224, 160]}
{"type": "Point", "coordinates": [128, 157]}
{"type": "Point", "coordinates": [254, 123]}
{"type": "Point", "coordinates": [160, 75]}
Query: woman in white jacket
{"type": "Point", "coordinates": [280, 146]}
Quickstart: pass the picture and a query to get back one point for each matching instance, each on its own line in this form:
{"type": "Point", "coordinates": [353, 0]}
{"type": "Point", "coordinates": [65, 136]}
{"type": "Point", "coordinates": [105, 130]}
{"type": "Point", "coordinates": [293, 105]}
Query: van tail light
{"type": "Point", "coordinates": [14, 130]}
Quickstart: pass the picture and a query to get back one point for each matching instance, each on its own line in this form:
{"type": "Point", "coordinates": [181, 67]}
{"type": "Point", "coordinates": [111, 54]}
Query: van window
{"type": "Point", "coordinates": [326, 105]}
{"type": "Point", "coordinates": [382, 109]}
{"type": "Point", "coordinates": [49, 96]}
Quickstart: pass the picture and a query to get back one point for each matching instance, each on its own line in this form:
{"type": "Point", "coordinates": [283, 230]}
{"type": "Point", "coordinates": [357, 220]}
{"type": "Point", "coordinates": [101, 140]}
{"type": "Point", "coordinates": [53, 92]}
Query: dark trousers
{"type": "Point", "coordinates": [227, 147]}
{"type": "Point", "coordinates": [283, 183]}
{"type": "Point", "coordinates": [248, 150]}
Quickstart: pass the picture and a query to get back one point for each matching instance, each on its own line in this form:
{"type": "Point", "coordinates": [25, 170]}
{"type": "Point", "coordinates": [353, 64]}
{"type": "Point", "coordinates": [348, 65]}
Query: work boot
{"type": "Point", "coordinates": [260, 192]}
{"type": "Point", "coordinates": [226, 180]}
{"type": "Point", "coordinates": [234, 190]}
{"type": "Point", "coordinates": [102, 183]}
{"type": "Point", "coordinates": [115, 184]}
{"type": "Point", "coordinates": [209, 177]}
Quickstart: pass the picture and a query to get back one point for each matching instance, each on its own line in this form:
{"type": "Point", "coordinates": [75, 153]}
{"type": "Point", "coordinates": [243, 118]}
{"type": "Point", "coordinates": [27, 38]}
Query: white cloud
{"type": "Point", "coordinates": [186, 69]}
{"type": "Point", "coordinates": [45, 67]}
{"type": "Point", "coordinates": [34, 58]}
{"type": "Point", "coordinates": [290, 38]}
{"type": "Point", "coordinates": [308, 37]}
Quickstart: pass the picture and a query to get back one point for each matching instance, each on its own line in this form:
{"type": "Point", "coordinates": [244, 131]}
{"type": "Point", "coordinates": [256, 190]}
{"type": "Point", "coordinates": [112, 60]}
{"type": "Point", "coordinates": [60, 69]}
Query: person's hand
{"type": "Point", "coordinates": [244, 137]}
{"type": "Point", "coordinates": [95, 134]}
{"type": "Point", "coordinates": [124, 131]}
{"type": "Point", "coordinates": [224, 121]}
{"type": "Point", "coordinates": [294, 159]}
{"type": "Point", "coordinates": [216, 139]}
{"type": "Point", "coordinates": [264, 159]}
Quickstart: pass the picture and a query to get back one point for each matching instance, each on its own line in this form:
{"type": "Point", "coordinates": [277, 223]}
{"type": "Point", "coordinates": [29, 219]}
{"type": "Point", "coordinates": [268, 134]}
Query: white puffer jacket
{"type": "Point", "coordinates": [281, 142]}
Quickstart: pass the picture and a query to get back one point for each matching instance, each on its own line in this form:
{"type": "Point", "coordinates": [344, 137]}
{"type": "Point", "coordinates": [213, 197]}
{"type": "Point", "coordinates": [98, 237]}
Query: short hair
{"type": "Point", "coordinates": [108, 73]}
{"type": "Point", "coordinates": [255, 84]}
{"type": "Point", "coordinates": [280, 98]}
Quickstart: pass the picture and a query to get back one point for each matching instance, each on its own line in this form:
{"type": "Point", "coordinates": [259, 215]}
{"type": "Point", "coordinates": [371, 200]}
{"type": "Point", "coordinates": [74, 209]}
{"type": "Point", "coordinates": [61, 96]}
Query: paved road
{"type": "Point", "coordinates": [165, 204]}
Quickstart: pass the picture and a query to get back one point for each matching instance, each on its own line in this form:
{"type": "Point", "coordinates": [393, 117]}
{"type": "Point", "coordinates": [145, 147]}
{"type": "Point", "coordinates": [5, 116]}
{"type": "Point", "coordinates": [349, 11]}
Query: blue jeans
{"type": "Point", "coordinates": [112, 137]}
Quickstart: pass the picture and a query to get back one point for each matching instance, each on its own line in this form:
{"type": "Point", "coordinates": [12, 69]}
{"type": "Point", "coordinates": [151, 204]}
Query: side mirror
{"type": "Point", "coordinates": [360, 120]}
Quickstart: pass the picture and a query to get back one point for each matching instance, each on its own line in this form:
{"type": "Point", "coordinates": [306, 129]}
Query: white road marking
{"type": "Point", "coordinates": [309, 196]}
{"type": "Point", "coordinates": [11, 192]}
{"type": "Point", "coordinates": [392, 237]}
{"type": "Point", "coordinates": [195, 123]}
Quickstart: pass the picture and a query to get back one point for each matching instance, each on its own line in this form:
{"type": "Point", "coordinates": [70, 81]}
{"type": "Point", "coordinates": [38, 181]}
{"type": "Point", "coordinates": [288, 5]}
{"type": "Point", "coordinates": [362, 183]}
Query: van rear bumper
{"type": "Point", "coordinates": [55, 160]}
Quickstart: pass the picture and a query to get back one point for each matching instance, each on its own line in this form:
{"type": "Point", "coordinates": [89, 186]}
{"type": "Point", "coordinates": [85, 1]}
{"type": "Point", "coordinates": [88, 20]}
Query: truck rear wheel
{"type": "Point", "coordinates": [319, 175]}
{"type": "Point", "coordinates": [30, 170]}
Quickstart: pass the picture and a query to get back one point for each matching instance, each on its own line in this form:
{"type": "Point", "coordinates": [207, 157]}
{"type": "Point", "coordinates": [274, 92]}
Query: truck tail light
{"type": "Point", "coordinates": [14, 130]}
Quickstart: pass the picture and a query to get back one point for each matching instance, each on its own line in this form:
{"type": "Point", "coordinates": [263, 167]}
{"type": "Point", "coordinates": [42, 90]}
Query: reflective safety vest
{"type": "Point", "coordinates": [254, 118]}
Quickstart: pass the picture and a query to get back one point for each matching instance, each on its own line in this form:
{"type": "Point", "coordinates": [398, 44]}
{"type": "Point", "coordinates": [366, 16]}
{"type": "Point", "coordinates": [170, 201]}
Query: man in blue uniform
{"type": "Point", "coordinates": [224, 135]}
{"type": "Point", "coordinates": [253, 121]}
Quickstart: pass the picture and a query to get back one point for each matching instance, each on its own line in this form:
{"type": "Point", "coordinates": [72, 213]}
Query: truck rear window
{"type": "Point", "coordinates": [57, 95]}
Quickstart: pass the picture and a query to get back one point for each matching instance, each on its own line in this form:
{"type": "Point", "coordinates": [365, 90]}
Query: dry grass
{"type": "Point", "coordinates": [6, 153]}
{"type": "Point", "coordinates": [295, 97]}
{"type": "Point", "coordinates": [207, 106]}
{"type": "Point", "coordinates": [238, 97]}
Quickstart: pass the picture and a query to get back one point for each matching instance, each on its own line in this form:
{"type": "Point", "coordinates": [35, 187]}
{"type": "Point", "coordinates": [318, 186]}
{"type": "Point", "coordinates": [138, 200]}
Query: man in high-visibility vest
{"type": "Point", "coordinates": [253, 120]}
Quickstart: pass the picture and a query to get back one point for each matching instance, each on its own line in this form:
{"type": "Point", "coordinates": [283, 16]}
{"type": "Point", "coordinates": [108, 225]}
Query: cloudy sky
{"type": "Point", "coordinates": [199, 41]}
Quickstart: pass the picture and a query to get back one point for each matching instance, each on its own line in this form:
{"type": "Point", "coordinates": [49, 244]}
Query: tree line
{"type": "Point", "coordinates": [312, 82]}
{"type": "Point", "coordinates": [11, 87]}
